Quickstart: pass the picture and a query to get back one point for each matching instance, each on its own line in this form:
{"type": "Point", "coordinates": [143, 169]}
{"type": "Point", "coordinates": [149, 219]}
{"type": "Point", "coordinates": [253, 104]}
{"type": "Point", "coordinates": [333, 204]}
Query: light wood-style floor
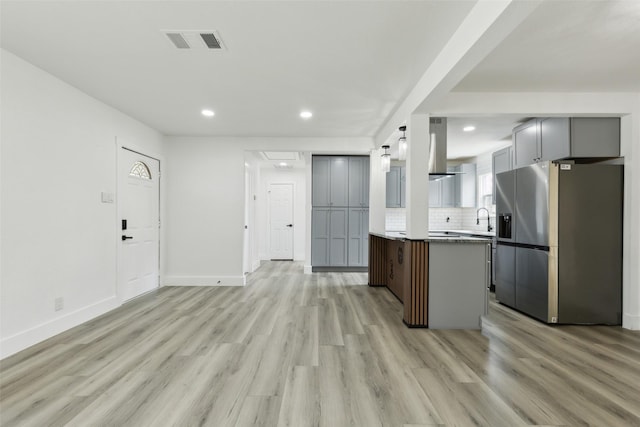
{"type": "Point", "coordinates": [317, 350]}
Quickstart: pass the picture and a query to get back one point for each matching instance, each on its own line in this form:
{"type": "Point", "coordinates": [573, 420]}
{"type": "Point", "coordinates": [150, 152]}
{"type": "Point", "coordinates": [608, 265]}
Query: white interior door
{"type": "Point", "coordinates": [281, 215]}
{"type": "Point", "coordinates": [139, 216]}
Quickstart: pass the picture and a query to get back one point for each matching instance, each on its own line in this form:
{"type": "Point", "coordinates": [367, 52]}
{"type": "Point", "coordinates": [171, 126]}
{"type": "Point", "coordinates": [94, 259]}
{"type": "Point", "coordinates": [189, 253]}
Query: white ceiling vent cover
{"type": "Point", "coordinates": [195, 40]}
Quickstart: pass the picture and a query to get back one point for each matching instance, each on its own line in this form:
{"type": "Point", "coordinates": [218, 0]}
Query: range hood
{"type": "Point", "coordinates": [438, 149]}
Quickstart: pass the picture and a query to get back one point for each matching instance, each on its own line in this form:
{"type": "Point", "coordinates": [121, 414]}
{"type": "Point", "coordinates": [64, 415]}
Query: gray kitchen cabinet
{"type": "Point", "coordinates": [403, 187]}
{"type": "Point", "coordinates": [340, 218]}
{"type": "Point", "coordinates": [556, 138]}
{"type": "Point", "coordinates": [329, 237]}
{"type": "Point", "coordinates": [396, 187]}
{"type": "Point", "coordinates": [330, 181]}
{"type": "Point", "coordinates": [447, 190]}
{"type": "Point", "coordinates": [320, 218]}
{"type": "Point", "coordinates": [338, 236]}
{"type": "Point", "coordinates": [455, 191]}
{"type": "Point", "coordinates": [579, 137]}
{"type": "Point", "coordinates": [465, 186]}
{"type": "Point", "coordinates": [435, 193]}
{"type": "Point", "coordinates": [358, 237]}
{"type": "Point", "coordinates": [320, 167]}
{"type": "Point", "coordinates": [500, 162]}
{"type": "Point", "coordinates": [526, 144]}
{"type": "Point", "coordinates": [359, 181]}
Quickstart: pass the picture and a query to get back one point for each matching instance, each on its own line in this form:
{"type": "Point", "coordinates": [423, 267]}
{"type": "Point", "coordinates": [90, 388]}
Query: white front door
{"type": "Point", "coordinates": [281, 214]}
{"type": "Point", "coordinates": [139, 223]}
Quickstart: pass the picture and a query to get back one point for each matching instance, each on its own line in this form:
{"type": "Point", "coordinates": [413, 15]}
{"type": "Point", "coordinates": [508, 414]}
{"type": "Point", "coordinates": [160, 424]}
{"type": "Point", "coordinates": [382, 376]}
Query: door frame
{"type": "Point", "coordinates": [293, 215]}
{"type": "Point", "coordinates": [123, 144]}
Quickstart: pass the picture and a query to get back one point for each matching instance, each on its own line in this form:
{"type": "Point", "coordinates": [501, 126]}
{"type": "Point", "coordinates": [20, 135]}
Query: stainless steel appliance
{"type": "Point", "coordinates": [559, 254]}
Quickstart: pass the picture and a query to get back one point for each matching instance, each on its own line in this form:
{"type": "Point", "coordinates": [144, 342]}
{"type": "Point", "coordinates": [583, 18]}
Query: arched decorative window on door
{"type": "Point", "coordinates": [140, 170]}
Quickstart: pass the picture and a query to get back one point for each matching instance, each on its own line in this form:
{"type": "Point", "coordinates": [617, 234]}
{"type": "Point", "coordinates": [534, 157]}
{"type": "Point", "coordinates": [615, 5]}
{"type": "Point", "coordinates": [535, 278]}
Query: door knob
{"type": "Point", "coordinates": [289, 225]}
{"type": "Point", "coordinates": [126, 237]}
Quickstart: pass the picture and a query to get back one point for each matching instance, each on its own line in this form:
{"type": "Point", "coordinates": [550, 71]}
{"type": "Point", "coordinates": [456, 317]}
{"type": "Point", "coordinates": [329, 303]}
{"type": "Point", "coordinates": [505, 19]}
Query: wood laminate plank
{"type": "Point", "coordinates": [259, 411]}
{"type": "Point", "coordinates": [301, 400]}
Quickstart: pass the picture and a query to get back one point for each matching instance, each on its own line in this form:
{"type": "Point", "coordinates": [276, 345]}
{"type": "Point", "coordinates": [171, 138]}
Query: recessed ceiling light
{"type": "Point", "coordinates": [306, 114]}
{"type": "Point", "coordinates": [208, 113]}
{"type": "Point", "coordinates": [283, 164]}
{"type": "Point", "coordinates": [469, 128]}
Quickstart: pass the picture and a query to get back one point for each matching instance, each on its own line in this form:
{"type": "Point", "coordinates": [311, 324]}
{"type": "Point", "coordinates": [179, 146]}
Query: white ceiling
{"type": "Point", "coordinates": [568, 46]}
{"type": "Point", "coordinates": [349, 62]}
{"type": "Point", "coordinates": [491, 133]}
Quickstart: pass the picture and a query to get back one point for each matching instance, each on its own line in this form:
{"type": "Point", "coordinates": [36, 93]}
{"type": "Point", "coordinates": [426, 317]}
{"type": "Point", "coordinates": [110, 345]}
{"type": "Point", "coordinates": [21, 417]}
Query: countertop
{"type": "Point", "coordinates": [468, 232]}
{"type": "Point", "coordinates": [437, 237]}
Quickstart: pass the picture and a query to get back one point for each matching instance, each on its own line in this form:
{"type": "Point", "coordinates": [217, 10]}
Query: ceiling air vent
{"type": "Point", "coordinates": [178, 40]}
{"type": "Point", "coordinates": [195, 40]}
{"type": "Point", "coordinates": [211, 41]}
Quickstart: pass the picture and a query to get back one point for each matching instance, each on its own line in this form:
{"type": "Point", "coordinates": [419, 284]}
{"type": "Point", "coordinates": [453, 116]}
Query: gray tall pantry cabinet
{"type": "Point", "coordinates": [340, 211]}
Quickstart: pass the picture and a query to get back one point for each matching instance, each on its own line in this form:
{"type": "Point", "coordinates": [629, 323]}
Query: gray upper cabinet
{"type": "Point", "coordinates": [339, 181]}
{"type": "Point", "coordinates": [435, 193]}
{"type": "Point", "coordinates": [395, 187]}
{"type": "Point", "coordinates": [403, 187]}
{"type": "Point", "coordinates": [320, 168]}
{"type": "Point", "coordinates": [359, 181]}
{"type": "Point", "coordinates": [526, 144]}
{"type": "Point", "coordinates": [330, 181]}
{"type": "Point", "coordinates": [447, 190]}
{"type": "Point", "coordinates": [465, 182]}
{"type": "Point", "coordinates": [501, 162]}
{"type": "Point", "coordinates": [456, 191]}
{"type": "Point", "coordinates": [556, 138]}
{"type": "Point", "coordinates": [580, 137]}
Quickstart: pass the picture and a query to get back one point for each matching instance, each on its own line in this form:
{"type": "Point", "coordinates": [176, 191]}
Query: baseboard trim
{"type": "Point", "coordinates": [39, 333]}
{"type": "Point", "coordinates": [308, 269]}
{"type": "Point", "coordinates": [631, 321]}
{"type": "Point", "coordinates": [340, 269]}
{"type": "Point", "coordinates": [204, 281]}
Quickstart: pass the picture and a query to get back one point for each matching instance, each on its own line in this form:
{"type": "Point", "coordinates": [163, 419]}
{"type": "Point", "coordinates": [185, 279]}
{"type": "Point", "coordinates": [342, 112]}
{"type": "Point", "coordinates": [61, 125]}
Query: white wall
{"type": "Point", "coordinates": [270, 175]}
{"type": "Point", "coordinates": [58, 240]}
{"type": "Point", "coordinates": [205, 213]}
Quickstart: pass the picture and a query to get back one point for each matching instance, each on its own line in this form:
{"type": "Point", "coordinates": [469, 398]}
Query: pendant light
{"type": "Point", "coordinates": [386, 159]}
{"type": "Point", "coordinates": [402, 144]}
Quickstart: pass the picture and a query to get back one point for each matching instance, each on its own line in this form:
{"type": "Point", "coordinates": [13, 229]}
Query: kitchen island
{"type": "Point", "coordinates": [441, 281]}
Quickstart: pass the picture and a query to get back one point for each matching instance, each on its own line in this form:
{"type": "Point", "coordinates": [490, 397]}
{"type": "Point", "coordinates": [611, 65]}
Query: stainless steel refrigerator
{"type": "Point", "coordinates": [559, 252]}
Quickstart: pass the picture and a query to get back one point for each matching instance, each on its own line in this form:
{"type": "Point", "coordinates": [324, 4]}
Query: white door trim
{"type": "Point", "coordinates": [122, 144]}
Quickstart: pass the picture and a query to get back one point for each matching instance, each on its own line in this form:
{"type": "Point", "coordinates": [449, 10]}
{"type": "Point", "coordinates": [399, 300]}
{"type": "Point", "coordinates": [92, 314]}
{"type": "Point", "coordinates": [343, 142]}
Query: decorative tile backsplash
{"type": "Point", "coordinates": [441, 219]}
{"type": "Point", "coordinates": [396, 219]}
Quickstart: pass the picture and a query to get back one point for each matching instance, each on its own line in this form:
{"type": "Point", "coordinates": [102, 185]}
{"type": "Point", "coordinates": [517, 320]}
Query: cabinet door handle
{"type": "Point", "coordinates": [126, 237]}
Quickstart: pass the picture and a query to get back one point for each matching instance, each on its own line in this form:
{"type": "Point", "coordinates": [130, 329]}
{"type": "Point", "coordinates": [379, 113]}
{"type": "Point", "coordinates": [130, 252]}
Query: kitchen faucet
{"type": "Point", "coordinates": [489, 227]}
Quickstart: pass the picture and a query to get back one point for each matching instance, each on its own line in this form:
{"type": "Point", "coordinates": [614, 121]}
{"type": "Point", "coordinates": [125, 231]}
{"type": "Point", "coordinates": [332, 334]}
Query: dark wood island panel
{"type": "Point", "coordinates": [377, 260]}
{"type": "Point", "coordinates": [403, 267]}
{"type": "Point", "coordinates": [416, 285]}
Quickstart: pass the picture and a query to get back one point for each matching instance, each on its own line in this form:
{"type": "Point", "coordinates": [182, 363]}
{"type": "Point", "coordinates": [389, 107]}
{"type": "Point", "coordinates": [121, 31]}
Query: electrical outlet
{"type": "Point", "coordinates": [59, 303]}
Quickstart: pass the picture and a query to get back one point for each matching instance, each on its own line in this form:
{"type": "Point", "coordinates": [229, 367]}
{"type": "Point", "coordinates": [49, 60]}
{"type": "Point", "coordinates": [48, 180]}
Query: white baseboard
{"type": "Point", "coordinates": [255, 266]}
{"type": "Point", "coordinates": [204, 280]}
{"type": "Point", "coordinates": [631, 321]}
{"type": "Point", "coordinates": [22, 340]}
{"type": "Point", "coordinates": [308, 269]}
